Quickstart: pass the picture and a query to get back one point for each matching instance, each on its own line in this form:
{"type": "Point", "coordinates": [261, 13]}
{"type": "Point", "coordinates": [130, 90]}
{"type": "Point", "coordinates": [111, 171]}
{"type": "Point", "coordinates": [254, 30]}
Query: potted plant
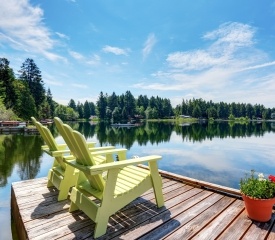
{"type": "Point", "coordinates": [258, 194]}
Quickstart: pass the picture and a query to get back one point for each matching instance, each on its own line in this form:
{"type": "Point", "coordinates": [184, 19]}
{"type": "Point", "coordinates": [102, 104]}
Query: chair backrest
{"type": "Point", "coordinates": [83, 156]}
{"type": "Point", "coordinates": [59, 125]}
{"type": "Point", "coordinates": [48, 139]}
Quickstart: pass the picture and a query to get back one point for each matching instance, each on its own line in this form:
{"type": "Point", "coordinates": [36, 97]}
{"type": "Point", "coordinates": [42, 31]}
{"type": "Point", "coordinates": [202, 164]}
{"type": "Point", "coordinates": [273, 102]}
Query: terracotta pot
{"type": "Point", "coordinates": [258, 209]}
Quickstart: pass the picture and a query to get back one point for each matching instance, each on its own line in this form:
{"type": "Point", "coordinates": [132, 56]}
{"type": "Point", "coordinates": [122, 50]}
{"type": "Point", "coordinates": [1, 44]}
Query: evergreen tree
{"type": "Point", "coordinates": [27, 106]}
{"type": "Point", "coordinates": [101, 106]}
{"type": "Point", "coordinates": [87, 110]}
{"type": "Point", "coordinates": [112, 101]}
{"type": "Point", "coordinates": [92, 108]}
{"type": "Point", "coordinates": [129, 103]}
{"type": "Point", "coordinates": [6, 83]}
{"type": "Point", "coordinates": [31, 74]}
{"type": "Point", "coordinates": [72, 104]}
{"type": "Point", "coordinates": [116, 115]}
{"type": "Point", "coordinates": [50, 101]}
{"type": "Point", "coordinates": [196, 112]}
{"type": "Point", "coordinates": [80, 110]}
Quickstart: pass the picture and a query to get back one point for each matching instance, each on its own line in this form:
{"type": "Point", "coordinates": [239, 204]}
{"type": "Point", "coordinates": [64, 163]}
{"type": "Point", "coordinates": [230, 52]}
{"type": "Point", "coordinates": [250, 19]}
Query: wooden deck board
{"type": "Point", "coordinates": [189, 213]}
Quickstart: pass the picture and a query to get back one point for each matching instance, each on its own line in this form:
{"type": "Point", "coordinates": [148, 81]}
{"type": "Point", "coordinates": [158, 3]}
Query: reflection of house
{"type": "Point", "coordinates": [184, 116]}
{"type": "Point", "coordinates": [9, 123]}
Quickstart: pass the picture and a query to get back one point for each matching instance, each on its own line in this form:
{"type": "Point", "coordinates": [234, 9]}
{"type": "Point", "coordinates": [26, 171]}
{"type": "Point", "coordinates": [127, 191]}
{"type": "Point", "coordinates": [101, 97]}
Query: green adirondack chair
{"type": "Point", "coordinates": [99, 158]}
{"type": "Point", "coordinates": [124, 182]}
{"type": "Point", "coordinates": [60, 175]}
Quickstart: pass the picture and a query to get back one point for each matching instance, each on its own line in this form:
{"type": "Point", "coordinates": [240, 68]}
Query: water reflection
{"type": "Point", "coordinates": [24, 151]}
{"type": "Point", "coordinates": [219, 153]}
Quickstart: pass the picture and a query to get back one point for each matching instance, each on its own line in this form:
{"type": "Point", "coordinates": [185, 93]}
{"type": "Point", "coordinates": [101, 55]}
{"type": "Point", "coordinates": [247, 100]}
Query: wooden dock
{"type": "Point", "coordinates": [197, 210]}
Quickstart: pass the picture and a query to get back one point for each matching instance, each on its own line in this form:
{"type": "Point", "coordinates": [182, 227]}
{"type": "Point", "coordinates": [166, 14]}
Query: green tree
{"type": "Point", "coordinates": [129, 104]}
{"type": "Point", "coordinates": [116, 115]}
{"type": "Point", "coordinates": [167, 108]}
{"type": "Point", "coordinates": [65, 113]}
{"type": "Point", "coordinates": [101, 106]}
{"type": "Point", "coordinates": [142, 101]}
{"type": "Point", "coordinates": [31, 75]}
{"type": "Point", "coordinates": [27, 106]}
{"type": "Point", "coordinates": [6, 83]}
{"type": "Point", "coordinates": [108, 115]}
{"type": "Point", "coordinates": [196, 112]}
{"type": "Point", "coordinates": [112, 101]}
{"type": "Point", "coordinates": [6, 114]}
{"type": "Point", "coordinates": [45, 110]}
{"type": "Point", "coordinates": [87, 110]}
{"type": "Point", "coordinates": [212, 112]}
{"type": "Point", "coordinates": [80, 110]}
{"type": "Point", "coordinates": [72, 104]}
{"type": "Point", "coordinates": [92, 108]}
{"type": "Point", "coordinates": [50, 101]}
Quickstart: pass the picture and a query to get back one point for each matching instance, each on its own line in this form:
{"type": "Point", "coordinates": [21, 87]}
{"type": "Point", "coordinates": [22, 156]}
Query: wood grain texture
{"type": "Point", "coordinates": [189, 213]}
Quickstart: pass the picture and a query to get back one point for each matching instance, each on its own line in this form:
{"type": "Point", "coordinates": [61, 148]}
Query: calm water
{"type": "Point", "coordinates": [219, 153]}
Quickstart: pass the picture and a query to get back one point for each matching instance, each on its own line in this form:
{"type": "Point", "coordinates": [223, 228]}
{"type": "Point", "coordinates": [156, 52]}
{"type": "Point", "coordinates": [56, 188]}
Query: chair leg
{"type": "Point", "coordinates": [73, 207]}
{"type": "Point", "coordinates": [49, 183]}
{"type": "Point", "coordinates": [101, 227]}
{"type": "Point", "coordinates": [157, 183]}
{"type": "Point", "coordinates": [69, 180]}
{"type": "Point", "coordinates": [63, 193]}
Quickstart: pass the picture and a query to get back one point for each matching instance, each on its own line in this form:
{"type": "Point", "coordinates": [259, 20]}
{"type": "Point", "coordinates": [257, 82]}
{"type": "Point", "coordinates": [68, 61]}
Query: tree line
{"type": "Point", "coordinates": [199, 108]}
{"type": "Point", "coordinates": [25, 96]}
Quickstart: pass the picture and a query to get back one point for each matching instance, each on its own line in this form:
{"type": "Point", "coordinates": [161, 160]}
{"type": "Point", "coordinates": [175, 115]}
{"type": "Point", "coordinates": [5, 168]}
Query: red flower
{"type": "Point", "coordinates": [271, 178]}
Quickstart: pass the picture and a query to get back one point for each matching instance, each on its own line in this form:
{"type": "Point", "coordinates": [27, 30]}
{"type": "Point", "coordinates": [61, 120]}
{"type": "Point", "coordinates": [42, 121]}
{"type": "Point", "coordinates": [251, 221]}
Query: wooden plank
{"type": "Point", "coordinates": [238, 228]}
{"type": "Point", "coordinates": [258, 230]}
{"type": "Point", "coordinates": [189, 212]}
{"type": "Point", "coordinates": [183, 217]}
{"type": "Point", "coordinates": [218, 225]}
{"type": "Point", "coordinates": [271, 235]}
{"type": "Point", "coordinates": [147, 222]}
{"type": "Point", "coordinates": [60, 227]}
{"type": "Point", "coordinates": [27, 183]}
{"type": "Point", "coordinates": [16, 216]}
{"type": "Point", "coordinates": [198, 183]}
{"type": "Point", "coordinates": [127, 217]}
{"type": "Point", "coordinates": [40, 222]}
{"type": "Point", "coordinates": [43, 210]}
{"type": "Point", "coordinates": [200, 221]}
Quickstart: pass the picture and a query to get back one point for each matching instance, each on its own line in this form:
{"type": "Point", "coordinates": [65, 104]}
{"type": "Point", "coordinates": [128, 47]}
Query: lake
{"type": "Point", "coordinates": [219, 153]}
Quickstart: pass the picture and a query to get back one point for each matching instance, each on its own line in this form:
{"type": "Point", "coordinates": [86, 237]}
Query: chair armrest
{"type": "Point", "coordinates": [91, 144]}
{"type": "Point", "coordinates": [60, 147]}
{"type": "Point", "coordinates": [96, 149]}
{"type": "Point", "coordinates": [110, 151]}
{"type": "Point", "coordinates": [59, 153]}
{"type": "Point", "coordinates": [97, 169]}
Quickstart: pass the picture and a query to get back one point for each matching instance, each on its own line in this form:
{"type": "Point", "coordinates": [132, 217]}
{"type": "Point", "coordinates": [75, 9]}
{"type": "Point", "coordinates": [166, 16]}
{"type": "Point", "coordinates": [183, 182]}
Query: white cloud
{"type": "Point", "coordinates": [225, 70]}
{"type": "Point", "coordinates": [79, 85]}
{"type": "Point", "coordinates": [148, 45]}
{"type": "Point", "coordinates": [22, 27]}
{"type": "Point", "coordinates": [115, 50]}
{"type": "Point", "coordinates": [228, 39]}
{"type": "Point", "coordinates": [76, 55]}
{"type": "Point", "coordinates": [268, 64]}
{"type": "Point", "coordinates": [94, 60]}
{"type": "Point", "coordinates": [61, 35]}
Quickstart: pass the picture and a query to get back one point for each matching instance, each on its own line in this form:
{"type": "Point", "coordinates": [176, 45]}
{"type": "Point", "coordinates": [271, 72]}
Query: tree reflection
{"type": "Point", "coordinates": [25, 150]}
{"type": "Point", "coordinates": [157, 132]}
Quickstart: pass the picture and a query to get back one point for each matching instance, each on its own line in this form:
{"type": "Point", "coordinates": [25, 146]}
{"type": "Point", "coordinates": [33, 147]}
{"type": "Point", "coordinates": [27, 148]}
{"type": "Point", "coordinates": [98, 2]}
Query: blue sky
{"type": "Point", "coordinates": [210, 49]}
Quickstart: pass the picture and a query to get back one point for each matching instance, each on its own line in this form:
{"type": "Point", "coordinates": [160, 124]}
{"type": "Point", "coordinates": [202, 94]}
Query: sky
{"type": "Point", "coordinates": [177, 49]}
